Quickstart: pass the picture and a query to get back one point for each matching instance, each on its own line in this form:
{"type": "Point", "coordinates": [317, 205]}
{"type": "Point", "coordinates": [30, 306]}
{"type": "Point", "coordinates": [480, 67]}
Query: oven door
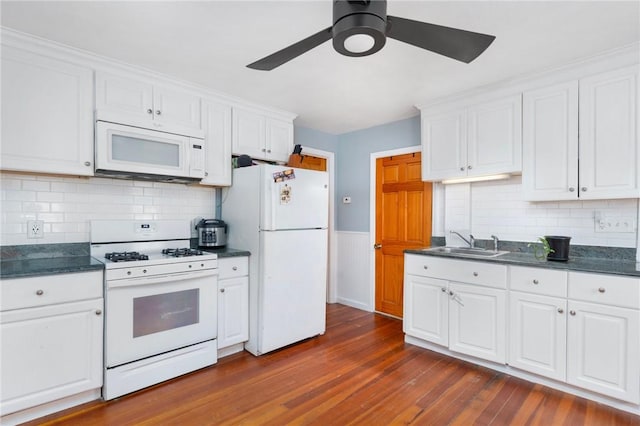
{"type": "Point", "coordinates": [150, 315]}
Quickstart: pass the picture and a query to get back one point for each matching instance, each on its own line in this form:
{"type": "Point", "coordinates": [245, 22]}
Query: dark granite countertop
{"type": "Point", "coordinates": [20, 268]}
{"type": "Point", "coordinates": [581, 264]}
{"type": "Point", "coordinates": [228, 252]}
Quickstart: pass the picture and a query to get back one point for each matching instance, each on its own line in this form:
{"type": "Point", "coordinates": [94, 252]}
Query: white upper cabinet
{"type": "Point", "coordinates": [609, 135]}
{"type": "Point", "coordinates": [128, 100]}
{"type": "Point", "coordinates": [47, 114]}
{"type": "Point", "coordinates": [580, 139]}
{"type": "Point", "coordinates": [261, 137]}
{"type": "Point", "coordinates": [482, 139]}
{"type": "Point", "coordinates": [216, 123]}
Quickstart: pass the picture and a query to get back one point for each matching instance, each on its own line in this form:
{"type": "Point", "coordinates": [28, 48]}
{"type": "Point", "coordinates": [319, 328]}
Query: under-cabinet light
{"type": "Point", "coordinates": [476, 178]}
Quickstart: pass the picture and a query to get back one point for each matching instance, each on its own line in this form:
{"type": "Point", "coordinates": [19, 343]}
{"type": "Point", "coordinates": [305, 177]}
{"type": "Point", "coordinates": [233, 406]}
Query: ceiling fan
{"type": "Point", "coordinates": [360, 28]}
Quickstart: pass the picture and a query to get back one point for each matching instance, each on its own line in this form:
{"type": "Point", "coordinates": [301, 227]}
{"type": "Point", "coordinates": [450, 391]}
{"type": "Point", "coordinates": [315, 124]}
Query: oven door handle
{"type": "Point", "coordinates": [159, 279]}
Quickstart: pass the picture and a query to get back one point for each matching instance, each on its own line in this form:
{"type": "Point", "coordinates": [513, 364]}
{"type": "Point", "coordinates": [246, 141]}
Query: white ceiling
{"type": "Point", "coordinates": [210, 42]}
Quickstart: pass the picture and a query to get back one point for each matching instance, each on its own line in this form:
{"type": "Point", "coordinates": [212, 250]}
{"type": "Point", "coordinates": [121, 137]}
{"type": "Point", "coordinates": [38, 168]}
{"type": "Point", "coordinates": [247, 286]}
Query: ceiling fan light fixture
{"type": "Point", "coordinates": [359, 43]}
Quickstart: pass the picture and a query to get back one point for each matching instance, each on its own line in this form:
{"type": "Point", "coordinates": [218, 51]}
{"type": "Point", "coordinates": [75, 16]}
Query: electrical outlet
{"type": "Point", "coordinates": [35, 229]}
{"type": "Point", "coordinates": [615, 224]}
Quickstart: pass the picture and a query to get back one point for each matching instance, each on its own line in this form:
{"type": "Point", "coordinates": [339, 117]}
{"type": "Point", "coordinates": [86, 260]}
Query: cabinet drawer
{"type": "Point", "coordinates": [490, 275]}
{"type": "Point", "coordinates": [539, 281]}
{"type": "Point", "coordinates": [50, 289]}
{"type": "Point", "coordinates": [233, 267]}
{"type": "Point", "coordinates": [606, 289]}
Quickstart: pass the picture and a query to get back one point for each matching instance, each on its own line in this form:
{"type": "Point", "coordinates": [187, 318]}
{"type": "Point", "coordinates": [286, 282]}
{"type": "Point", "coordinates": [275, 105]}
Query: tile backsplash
{"type": "Point", "coordinates": [497, 208]}
{"type": "Point", "coordinates": [67, 204]}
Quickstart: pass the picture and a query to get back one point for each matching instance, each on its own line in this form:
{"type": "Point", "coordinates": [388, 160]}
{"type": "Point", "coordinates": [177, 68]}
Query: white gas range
{"type": "Point", "coordinates": [160, 302]}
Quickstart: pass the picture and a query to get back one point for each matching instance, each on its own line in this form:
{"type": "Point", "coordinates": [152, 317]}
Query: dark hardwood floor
{"type": "Point", "coordinates": [359, 372]}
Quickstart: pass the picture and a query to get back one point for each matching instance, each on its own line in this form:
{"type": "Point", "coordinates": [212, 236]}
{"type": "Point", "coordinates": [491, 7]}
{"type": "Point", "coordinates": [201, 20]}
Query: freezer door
{"type": "Point", "coordinates": [292, 299]}
{"type": "Point", "coordinates": [301, 202]}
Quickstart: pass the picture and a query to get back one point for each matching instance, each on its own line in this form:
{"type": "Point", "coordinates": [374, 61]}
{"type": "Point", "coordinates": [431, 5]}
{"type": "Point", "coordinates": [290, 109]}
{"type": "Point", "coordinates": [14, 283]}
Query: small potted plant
{"type": "Point", "coordinates": [541, 251]}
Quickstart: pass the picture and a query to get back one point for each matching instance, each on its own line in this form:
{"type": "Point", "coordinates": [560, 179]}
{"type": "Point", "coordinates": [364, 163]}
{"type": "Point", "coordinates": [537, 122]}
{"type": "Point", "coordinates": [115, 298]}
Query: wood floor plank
{"type": "Point", "coordinates": [360, 372]}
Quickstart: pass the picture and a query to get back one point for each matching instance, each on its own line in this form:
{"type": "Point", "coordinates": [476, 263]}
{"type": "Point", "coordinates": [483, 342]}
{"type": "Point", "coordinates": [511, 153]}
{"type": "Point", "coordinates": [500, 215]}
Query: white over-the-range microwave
{"type": "Point", "coordinates": [133, 152]}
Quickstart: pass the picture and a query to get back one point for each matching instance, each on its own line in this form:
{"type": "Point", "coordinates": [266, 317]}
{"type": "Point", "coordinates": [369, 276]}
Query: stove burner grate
{"type": "Point", "coordinates": [182, 252]}
{"type": "Point", "coordinates": [125, 256]}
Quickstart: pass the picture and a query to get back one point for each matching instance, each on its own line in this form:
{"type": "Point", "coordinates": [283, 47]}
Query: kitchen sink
{"type": "Point", "coordinates": [466, 251]}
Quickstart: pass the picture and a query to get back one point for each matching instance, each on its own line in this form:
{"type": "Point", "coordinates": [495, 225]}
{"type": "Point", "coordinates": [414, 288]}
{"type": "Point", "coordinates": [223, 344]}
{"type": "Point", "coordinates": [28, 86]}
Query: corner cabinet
{"type": "Point", "coordinates": [580, 139]}
{"type": "Point", "coordinates": [47, 114]}
{"type": "Point", "coordinates": [233, 303]}
{"type": "Point", "coordinates": [477, 140]}
{"type": "Point", "coordinates": [260, 136]}
{"type": "Point", "coordinates": [51, 332]}
{"type": "Point", "coordinates": [216, 123]}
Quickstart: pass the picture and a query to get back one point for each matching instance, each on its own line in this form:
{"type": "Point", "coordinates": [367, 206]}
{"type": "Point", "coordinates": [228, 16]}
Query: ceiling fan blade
{"type": "Point", "coordinates": [458, 44]}
{"type": "Point", "coordinates": [288, 53]}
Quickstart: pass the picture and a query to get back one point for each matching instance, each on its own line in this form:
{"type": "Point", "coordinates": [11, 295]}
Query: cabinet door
{"type": "Point", "coordinates": [426, 309]}
{"type": "Point", "coordinates": [50, 352]}
{"type": "Point", "coordinates": [602, 350]}
{"type": "Point", "coordinates": [477, 318]}
{"type": "Point", "coordinates": [444, 146]}
{"type": "Point", "coordinates": [279, 139]}
{"type": "Point", "coordinates": [609, 135]}
{"type": "Point", "coordinates": [47, 114]}
{"type": "Point", "coordinates": [124, 100]}
{"type": "Point", "coordinates": [248, 135]}
{"type": "Point", "coordinates": [550, 143]}
{"type": "Point", "coordinates": [176, 111]}
{"type": "Point", "coordinates": [233, 311]}
{"type": "Point", "coordinates": [537, 334]}
{"type": "Point", "coordinates": [216, 123]}
{"type": "Point", "coordinates": [494, 137]}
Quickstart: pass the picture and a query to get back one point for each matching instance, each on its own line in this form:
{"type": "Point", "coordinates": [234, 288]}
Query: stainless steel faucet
{"type": "Point", "coordinates": [471, 241]}
{"type": "Point", "coordinates": [495, 243]}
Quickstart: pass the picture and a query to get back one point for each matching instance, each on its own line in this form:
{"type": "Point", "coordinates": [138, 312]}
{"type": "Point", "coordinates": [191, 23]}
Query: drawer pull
{"type": "Point", "coordinates": [560, 310]}
{"type": "Point", "coordinates": [128, 272]}
{"type": "Point", "coordinates": [202, 265]}
{"type": "Point", "coordinates": [144, 271]}
{"type": "Point", "coordinates": [39, 292]}
{"type": "Point", "coordinates": [98, 312]}
{"type": "Point", "coordinates": [222, 290]}
{"type": "Point", "coordinates": [190, 266]}
{"type": "Point", "coordinates": [535, 282]}
{"type": "Point", "coordinates": [475, 274]}
{"type": "Point", "coordinates": [601, 290]}
{"type": "Point", "coordinates": [572, 312]}
{"type": "Point", "coordinates": [235, 268]}
{"type": "Point", "coordinates": [444, 290]}
{"type": "Point", "coordinates": [425, 267]}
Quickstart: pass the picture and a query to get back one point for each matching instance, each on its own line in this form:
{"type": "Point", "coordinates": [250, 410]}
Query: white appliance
{"type": "Point", "coordinates": [280, 215]}
{"type": "Point", "coordinates": [160, 303]}
{"type": "Point", "coordinates": [128, 151]}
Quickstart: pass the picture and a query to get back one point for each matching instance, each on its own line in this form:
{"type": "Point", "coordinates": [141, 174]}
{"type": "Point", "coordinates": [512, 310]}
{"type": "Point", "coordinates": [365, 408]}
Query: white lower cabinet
{"type": "Point", "coordinates": [468, 318]}
{"type": "Point", "coordinates": [477, 320]}
{"type": "Point", "coordinates": [233, 301]}
{"type": "Point", "coordinates": [538, 334]}
{"type": "Point", "coordinates": [52, 346]}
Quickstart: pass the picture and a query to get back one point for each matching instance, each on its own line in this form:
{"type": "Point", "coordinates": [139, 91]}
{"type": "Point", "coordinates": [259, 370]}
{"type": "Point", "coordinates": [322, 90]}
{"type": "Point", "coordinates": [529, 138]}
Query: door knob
{"type": "Point", "coordinates": [377, 246]}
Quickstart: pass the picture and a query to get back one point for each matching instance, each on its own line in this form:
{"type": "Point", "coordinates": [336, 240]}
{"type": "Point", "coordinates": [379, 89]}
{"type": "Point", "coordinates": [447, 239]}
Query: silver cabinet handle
{"type": "Point", "coordinates": [264, 150]}
{"type": "Point", "coordinates": [475, 274]}
{"type": "Point", "coordinates": [202, 265]}
{"type": "Point", "coordinates": [425, 267]}
{"type": "Point", "coordinates": [158, 112]}
{"type": "Point", "coordinates": [98, 312]}
{"type": "Point", "coordinates": [560, 310]}
{"type": "Point", "coordinates": [128, 272]}
{"type": "Point", "coordinates": [444, 290]}
{"type": "Point", "coordinates": [87, 163]}
{"type": "Point", "coordinates": [190, 266]}
{"type": "Point", "coordinates": [462, 169]}
{"type": "Point", "coordinates": [149, 111]}
{"type": "Point", "coordinates": [269, 151]}
{"type": "Point", "coordinates": [450, 293]}
{"type": "Point", "coordinates": [602, 290]}
{"type": "Point", "coordinates": [571, 189]}
{"type": "Point", "coordinates": [583, 189]}
{"type": "Point", "coordinates": [469, 167]}
{"type": "Point", "coordinates": [235, 268]}
{"type": "Point", "coordinates": [572, 312]}
{"type": "Point", "coordinates": [39, 292]}
{"type": "Point", "coordinates": [206, 173]}
{"type": "Point", "coordinates": [535, 281]}
{"type": "Point", "coordinates": [222, 290]}
{"type": "Point", "coordinates": [144, 271]}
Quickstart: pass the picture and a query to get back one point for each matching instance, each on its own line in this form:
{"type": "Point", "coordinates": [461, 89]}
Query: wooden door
{"type": "Point", "coordinates": [403, 221]}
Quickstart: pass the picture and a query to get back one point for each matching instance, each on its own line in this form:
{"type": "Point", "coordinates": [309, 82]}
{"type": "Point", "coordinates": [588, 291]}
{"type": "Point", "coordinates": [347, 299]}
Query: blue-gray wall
{"type": "Point", "coordinates": [353, 155]}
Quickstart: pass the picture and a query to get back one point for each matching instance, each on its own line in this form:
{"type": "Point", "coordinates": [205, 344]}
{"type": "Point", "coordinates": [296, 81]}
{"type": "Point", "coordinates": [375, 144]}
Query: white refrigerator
{"type": "Point", "coordinates": [280, 214]}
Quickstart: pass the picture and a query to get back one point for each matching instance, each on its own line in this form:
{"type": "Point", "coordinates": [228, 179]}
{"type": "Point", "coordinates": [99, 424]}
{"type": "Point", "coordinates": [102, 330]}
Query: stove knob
{"type": "Point", "coordinates": [128, 272]}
